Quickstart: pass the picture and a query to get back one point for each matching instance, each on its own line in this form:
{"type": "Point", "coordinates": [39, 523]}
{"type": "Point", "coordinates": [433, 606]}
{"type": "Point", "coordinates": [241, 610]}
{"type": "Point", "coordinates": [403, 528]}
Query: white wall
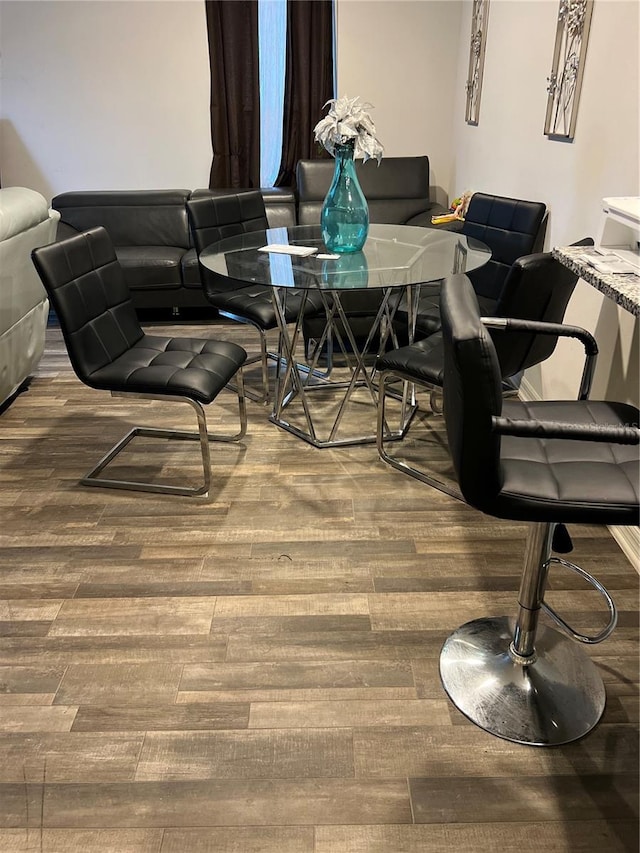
{"type": "Point", "coordinates": [104, 95]}
{"type": "Point", "coordinates": [112, 95]}
{"type": "Point", "coordinates": [401, 57]}
{"type": "Point", "coordinates": [508, 154]}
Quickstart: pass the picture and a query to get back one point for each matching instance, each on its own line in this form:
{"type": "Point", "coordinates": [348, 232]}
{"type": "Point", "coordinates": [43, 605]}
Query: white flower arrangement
{"type": "Point", "coordinates": [348, 120]}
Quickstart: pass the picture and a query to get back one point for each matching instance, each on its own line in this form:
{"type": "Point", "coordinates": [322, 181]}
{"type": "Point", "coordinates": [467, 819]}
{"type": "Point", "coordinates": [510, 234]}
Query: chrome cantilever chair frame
{"type": "Point", "coordinates": [264, 357]}
{"type": "Point", "coordinates": [92, 478]}
{"type": "Point", "coordinates": [408, 411]}
{"type": "Point", "coordinates": [267, 355]}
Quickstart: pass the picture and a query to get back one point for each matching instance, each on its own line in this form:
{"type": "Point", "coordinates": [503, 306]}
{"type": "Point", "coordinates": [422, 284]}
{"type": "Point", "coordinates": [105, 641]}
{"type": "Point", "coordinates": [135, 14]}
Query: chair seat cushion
{"type": "Point", "coordinates": [254, 304]}
{"type": "Point", "coordinates": [422, 361]}
{"type": "Point", "coordinates": [566, 480]}
{"type": "Point", "coordinates": [196, 368]}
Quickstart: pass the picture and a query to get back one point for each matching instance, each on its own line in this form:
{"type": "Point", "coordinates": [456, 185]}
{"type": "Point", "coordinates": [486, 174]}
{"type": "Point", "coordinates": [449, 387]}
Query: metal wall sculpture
{"type": "Point", "coordinates": [565, 80]}
{"type": "Point", "coordinates": [480, 17]}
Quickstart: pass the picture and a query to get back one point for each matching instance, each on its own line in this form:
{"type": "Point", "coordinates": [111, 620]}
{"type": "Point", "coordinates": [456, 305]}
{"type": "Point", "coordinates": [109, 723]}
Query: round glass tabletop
{"type": "Point", "coordinates": [393, 256]}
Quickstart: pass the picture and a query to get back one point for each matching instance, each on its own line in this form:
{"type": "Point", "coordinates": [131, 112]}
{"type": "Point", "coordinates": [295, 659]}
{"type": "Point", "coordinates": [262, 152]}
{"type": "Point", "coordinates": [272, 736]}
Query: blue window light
{"type": "Point", "coordinates": [272, 50]}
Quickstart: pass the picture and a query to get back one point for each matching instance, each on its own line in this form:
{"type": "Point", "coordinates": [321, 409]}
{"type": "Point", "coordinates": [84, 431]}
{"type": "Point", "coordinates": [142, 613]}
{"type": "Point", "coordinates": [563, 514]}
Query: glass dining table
{"type": "Point", "coordinates": [336, 406]}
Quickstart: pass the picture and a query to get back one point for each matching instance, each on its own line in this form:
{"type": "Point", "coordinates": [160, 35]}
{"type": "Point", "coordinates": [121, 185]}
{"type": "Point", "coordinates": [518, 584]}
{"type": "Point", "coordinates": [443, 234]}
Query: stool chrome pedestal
{"type": "Point", "coordinates": [520, 681]}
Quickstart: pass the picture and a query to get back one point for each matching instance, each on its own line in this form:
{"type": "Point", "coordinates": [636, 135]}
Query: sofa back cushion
{"type": "Point", "coordinates": [132, 217]}
{"type": "Point", "coordinates": [396, 190]}
{"type": "Point", "coordinates": [279, 202]}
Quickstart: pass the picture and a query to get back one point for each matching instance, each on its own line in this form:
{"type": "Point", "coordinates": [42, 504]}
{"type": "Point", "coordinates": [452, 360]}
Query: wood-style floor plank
{"type": "Point", "coordinates": [588, 836]}
{"type": "Point", "coordinates": [257, 671]}
{"type": "Point", "coordinates": [240, 839]}
{"type": "Point", "coordinates": [227, 802]}
{"type": "Point", "coordinates": [80, 840]}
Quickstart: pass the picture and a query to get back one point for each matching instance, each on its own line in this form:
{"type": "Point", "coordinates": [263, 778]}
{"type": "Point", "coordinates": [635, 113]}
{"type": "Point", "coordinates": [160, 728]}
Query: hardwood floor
{"type": "Point", "coordinates": [258, 671]}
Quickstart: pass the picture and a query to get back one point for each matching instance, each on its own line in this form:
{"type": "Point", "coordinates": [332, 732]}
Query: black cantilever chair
{"type": "Point", "coordinates": [109, 350]}
{"type": "Point", "coordinates": [546, 463]}
{"type": "Point", "coordinates": [215, 217]}
{"type": "Point", "coordinates": [537, 288]}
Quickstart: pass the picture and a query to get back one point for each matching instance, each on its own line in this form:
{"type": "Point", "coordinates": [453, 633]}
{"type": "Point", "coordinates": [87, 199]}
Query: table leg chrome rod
{"type": "Point", "coordinates": [359, 357]}
{"type": "Point", "coordinates": [325, 337]}
{"type": "Point", "coordinates": [291, 375]}
{"type": "Point", "coordinates": [322, 443]}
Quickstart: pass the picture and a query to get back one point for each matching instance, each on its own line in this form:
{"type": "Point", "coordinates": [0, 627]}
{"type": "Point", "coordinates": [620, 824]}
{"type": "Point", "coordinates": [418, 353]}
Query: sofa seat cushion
{"type": "Point", "coordinates": [423, 220]}
{"type": "Point", "coordinates": [191, 270]}
{"type": "Point", "coordinates": [151, 267]}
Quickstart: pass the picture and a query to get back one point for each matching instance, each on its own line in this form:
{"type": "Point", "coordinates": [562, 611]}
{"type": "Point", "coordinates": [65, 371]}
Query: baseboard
{"type": "Point", "coordinates": [628, 538]}
{"type": "Point", "coordinates": [527, 391]}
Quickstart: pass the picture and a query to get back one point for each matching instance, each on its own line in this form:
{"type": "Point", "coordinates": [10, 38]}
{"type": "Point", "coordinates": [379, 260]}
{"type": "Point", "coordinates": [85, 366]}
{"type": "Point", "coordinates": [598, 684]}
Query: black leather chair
{"type": "Point", "coordinates": [537, 288]}
{"type": "Point", "coordinates": [545, 463]}
{"type": "Point", "coordinates": [109, 350]}
{"type": "Point", "coordinates": [215, 217]}
{"type": "Point", "coordinates": [511, 228]}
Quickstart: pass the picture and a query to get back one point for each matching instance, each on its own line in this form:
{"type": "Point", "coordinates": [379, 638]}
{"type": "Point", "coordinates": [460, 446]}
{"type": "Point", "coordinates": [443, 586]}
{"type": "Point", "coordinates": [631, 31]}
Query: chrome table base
{"type": "Point", "coordinates": [555, 699]}
{"type": "Point", "coordinates": [297, 394]}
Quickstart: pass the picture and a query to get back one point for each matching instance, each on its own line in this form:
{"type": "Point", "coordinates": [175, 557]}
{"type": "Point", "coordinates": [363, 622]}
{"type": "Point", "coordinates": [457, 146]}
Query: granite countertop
{"type": "Point", "coordinates": [623, 289]}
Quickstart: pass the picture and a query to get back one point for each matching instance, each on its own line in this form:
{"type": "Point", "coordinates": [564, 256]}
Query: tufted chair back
{"type": "Point", "coordinates": [472, 392]}
{"type": "Point", "coordinates": [213, 218]}
{"type": "Point", "coordinates": [537, 287]}
{"type": "Point", "coordinates": [87, 290]}
{"type": "Point", "coordinates": [511, 228]}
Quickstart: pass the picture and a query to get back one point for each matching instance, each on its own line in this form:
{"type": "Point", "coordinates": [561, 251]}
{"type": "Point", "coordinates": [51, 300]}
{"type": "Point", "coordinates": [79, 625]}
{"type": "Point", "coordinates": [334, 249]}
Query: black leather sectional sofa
{"type": "Point", "coordinates": [150, 232]}
{"type": "Point", "coordinates": [150, 228]}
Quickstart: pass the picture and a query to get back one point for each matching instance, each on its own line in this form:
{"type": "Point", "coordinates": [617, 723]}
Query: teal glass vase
{"type": "Point", "coordinates": [345, 214]}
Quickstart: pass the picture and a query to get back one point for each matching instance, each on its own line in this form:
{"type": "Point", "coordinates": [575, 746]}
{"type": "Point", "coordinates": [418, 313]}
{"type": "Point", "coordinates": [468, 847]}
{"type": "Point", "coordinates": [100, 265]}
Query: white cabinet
{"type": "Point", "coordinates": [620, 227]}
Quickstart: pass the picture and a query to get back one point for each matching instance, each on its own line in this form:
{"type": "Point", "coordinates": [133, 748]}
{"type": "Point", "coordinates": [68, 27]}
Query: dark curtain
{"type": "Point", "coordinates": [308, 82]}
{"type": "Point", "coordinates": [232, 28]}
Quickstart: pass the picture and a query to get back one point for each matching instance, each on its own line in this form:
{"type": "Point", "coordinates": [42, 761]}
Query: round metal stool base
{"type": "Point", "coordinates": [554, 700]}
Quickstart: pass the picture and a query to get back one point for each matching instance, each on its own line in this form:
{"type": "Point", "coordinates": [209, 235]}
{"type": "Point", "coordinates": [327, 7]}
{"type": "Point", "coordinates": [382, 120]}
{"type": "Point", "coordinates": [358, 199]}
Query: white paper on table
{"type": "Point", "coordinates": [284, 249]}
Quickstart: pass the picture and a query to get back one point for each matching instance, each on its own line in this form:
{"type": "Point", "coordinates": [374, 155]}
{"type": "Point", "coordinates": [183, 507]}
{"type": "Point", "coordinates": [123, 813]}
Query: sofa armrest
{"type": "Point", "coordinates": [424, 219]}
{"type": "Point", "coordinates": [65, 230]}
